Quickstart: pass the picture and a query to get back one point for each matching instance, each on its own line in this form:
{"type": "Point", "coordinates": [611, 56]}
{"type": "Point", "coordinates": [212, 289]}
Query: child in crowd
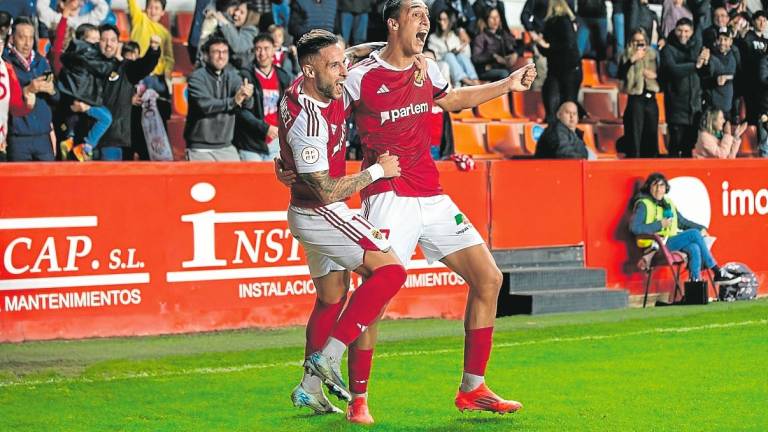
{"type": "Point", "coordinates": [81, 82]}
{"type": "Point", "coordinates": [285, 54]}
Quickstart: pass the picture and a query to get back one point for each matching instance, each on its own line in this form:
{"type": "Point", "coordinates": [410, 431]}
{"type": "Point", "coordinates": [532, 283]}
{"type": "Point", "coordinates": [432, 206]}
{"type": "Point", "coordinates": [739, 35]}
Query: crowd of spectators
{"type": "Point", "coordinates": [84, 98]}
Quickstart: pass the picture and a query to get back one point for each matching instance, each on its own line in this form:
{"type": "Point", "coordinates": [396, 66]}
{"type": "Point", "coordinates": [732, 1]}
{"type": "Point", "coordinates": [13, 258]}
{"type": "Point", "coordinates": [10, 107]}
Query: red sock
{"type": "Point", "coordinates": [367, 301]}
{"type": "Point", "coordinates": [359, 369]}
{"type": "Point", "coordinates": [320, 324]}
{"type": "Point", "coordinates": [477, 350]}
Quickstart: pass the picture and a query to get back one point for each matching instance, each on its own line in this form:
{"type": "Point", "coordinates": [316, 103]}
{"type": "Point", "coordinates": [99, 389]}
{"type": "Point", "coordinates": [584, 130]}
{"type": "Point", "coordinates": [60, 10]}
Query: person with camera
{"type": "Point", "coordinates": [638, 74]}
{"type": "Point", "coordinates": [655, 213]}
{"type": "Point", "coordinates": [717, 139]}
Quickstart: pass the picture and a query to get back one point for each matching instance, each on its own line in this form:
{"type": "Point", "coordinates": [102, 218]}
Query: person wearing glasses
{"type": "Point", "coordinates": [638, 74]}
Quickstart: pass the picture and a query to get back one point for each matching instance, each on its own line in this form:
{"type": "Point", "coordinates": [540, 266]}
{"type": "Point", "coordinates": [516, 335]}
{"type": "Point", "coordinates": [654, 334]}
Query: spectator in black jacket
{"type": "Point", "coordinates": [119, 90]}
{"type": "Point", "coordinates": [559, 45]}
{"type": "Point", "coordinates": [720, 20]}
{"type": "Point", "coordinates": [639, 14]}
{"type": "Point", "coordinates": [353, 16]}
{"type": "Point", "coordinates": [561, 139]}
{"type": "Point", "coordinates": [493, 51]}
{"type": "Point", "coordinates": [722, 66]}
{"type": "Point", "coordinates": [752, 47]}
{"type": "Point", "coordinates": [681, 61]}
{"type": "Point", "coordinates": [216, 92]}
{"type": "Point", "coordinates": [81, 82]}
{"type": "Point", "coordinates": [256, 136]}
{"type": "Point", "coordinates": [593, 28]}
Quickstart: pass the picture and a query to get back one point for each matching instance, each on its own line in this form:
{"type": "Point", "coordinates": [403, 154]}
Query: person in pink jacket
{"type": "Point", "coordinates": [716, 137]}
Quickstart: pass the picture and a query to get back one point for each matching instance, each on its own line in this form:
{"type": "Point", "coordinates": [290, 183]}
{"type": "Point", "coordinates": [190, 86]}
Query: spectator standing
{"type": "Point", "coordinates": [353, 16]}
{"type": "Point", "coordinates": [312, 14]}
{"type": "Point", "coordinates": [449, 49]}
{"type": "Point", "coordinates": [671, 13]}
{"type": "Point", "coordinates": [752, 47]}
{"type": "Point", "coordinates": [761, 106]}
{"type": "Point", "coordinates": [81, 83]}
{"type": "Point", "coordinates": [119, 91]}
{"type": "Point", "coordinates": [71, 10]}
{"type": "Point", "coordinates": [12, 100]}
{"type": "Point", "coordinates": [239, 32]}
{"type": "Point", "coordinates": [256, 127]}
{"type": "Point", "coordinates": [641, 15]}
{"type": "Point", "coordinates": [29, 137]}
{"type": "Point", "coordinates": [263, 10]}
{"type": "Point", "coordinates": [716, 139]}
{"type": "Point", "coordinates": [593, 28]}
{"type": "Point", "coordinates": [494, 50]}
{"type": "Point", "coordinates": [144, 25]}
{"type": "Point", "coordinates": [561, 139]}
{"type": "Point", "coordinates": [722, 67]}
{"type": "Point", "coordinates": [558, 44]}
{"type": "Point", "coordinates": [638, 74]}
{"type": "Point", "coordinates": [216, 93]}
{"type": "Point", "coordinates": [681, 61]}
{"type": "Point", "coordinates": [193, 42]}
{"type": "Point", "coordinates": [720, 20]}
{"type": "Point", "coordinates": [619, 32]}
{"type": "Point", "coordinates": [285, 54]}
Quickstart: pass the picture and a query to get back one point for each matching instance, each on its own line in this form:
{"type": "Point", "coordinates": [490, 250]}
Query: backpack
{"type": "Point", "coordinates": [744, 290]}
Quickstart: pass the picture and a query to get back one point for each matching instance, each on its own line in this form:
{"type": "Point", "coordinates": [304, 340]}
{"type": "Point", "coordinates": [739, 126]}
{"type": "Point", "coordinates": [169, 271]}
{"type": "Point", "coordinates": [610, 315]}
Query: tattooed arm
{"type": "Point", "coordinates": [330, 190]}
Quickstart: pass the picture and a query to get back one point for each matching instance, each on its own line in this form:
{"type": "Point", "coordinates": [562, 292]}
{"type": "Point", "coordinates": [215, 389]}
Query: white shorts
{"type": "Point", "coordinates": [435, 223]}
{"type": "Point", "coordinates": [334, 237]}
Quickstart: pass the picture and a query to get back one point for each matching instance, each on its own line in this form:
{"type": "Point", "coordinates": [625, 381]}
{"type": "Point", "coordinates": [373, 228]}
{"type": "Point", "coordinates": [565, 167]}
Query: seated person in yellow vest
{"type": "Point", "coordinates": [655, 213]}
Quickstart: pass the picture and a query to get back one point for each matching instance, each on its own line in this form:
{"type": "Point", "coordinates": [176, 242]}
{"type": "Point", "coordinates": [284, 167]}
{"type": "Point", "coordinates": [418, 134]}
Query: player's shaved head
{"type": "Point", "coordinates": [311, 43]}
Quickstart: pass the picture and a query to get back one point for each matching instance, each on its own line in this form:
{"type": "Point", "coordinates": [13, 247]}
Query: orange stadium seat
{"type": "Point", "coordinates": [600, 106]}
{"type": "Point", "coordinates": [528, 105]}
{"type": "Point", "coordinates": [183, 65]}
{"type": "Point", "coordinates": [604, 77]}
{"type": "Point", "coordinates": [463, 114]}
{"type": "Point", "coordinates": [590, 76]}
{"type": "Point", "coordinates": [496, 109]}
{"type": "Point", "coordinates": [469, 138]}
{"type": "Point", "coordinates": [531, 134]}
{"type": "Point", "coordinates": [123, 24]}
{"type": "Point", "coordinates": [180, 99]}
{"type": "Point", "coordinates": [504, 138]}
{"type": "Point", "coordinates": [607, 135]}
{"type": "Point", "coordinates": [748, 143]}
{"type": "Point", "coordinates": [183, 26]}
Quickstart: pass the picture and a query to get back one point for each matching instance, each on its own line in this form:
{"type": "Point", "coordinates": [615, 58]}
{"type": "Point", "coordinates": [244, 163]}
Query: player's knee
{"type": "Point", "coordinates": [488, 284]}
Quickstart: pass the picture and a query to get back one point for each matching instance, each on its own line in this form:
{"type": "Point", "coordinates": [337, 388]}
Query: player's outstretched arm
{"type": "Point", "coordinates": [470, 97]}
{"type": "Point", "coordinates": [329, 189]}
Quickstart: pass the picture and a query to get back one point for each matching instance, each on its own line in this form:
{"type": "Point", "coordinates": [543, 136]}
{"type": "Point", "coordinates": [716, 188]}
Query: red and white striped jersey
{"type": "Point", "coordinates": [393, 110]}
{"type": "Point", "coordinates": [312, 138]}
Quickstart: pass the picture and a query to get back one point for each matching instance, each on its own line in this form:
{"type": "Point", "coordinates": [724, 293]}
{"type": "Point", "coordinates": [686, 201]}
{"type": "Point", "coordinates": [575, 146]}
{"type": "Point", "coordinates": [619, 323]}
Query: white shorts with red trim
{"type": "Point", "coordinates": [435, 223]}
{"type": "Point", "coordinates": [334, 237]}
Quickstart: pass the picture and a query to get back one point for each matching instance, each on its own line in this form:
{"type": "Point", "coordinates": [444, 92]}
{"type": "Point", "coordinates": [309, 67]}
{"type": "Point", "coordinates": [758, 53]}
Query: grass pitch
{"type": "Point", "coordinates": [693, 368]}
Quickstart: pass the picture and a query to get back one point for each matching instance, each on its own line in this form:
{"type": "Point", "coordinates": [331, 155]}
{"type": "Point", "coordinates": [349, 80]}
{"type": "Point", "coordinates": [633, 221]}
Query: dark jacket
{"type": "Point", "coordinates": [465, 18]}
{"type": "Point", "coordinates": [592, 9]}
{"type": "Point", "coordinates": [563, 52]}
{"type": "Point", "coordinates": [250, 127]}
{"type": "Point", "coordinates": [534, 12]}
{"type": "Point", "coordinates": [639, 15]}
{"type": "Point", "coordinates": [355, 6]}
{"type": "Point", "coordinates": [559, 142]}
{"type": "Point", "coordinates": [37, 122]}
{"type": "Point", "coordinates": [310, 14]}
{"type": "Point", "coordinates": [84, 72]}
{"type": "Point", "coordinates": [721, 97]}
{"type": "Point", "coordinates": [481, 8]}
{"type": "Point", "coordinates": [488, 43]}
{"type": "Point", "coordinates": [681, 82]}
{"type": "Point", "coordinates": [211, 118]}
{"type": "Point", "coordinates": [762, 96]}
{"type": "Point", "coordinates": [118, 91]}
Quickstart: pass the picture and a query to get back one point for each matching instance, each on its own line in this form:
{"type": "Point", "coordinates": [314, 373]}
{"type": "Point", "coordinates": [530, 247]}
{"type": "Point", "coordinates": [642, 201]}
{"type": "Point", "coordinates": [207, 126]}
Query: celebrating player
{"type": "Point", "coordinates": [313, 144]}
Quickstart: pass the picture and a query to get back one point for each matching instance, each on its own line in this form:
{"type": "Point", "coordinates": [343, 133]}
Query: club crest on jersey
{"type": "Point", "coordinates": [377, 234]}
{"type": "Point", "coordinates": [418, 78]}
{"type": "Point", "coordinates": [310, 155]}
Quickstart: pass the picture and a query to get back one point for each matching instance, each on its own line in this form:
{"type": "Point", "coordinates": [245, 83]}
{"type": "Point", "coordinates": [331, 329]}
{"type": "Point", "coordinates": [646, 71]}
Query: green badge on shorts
{"type": "Point", "coordinates": [459, 219]}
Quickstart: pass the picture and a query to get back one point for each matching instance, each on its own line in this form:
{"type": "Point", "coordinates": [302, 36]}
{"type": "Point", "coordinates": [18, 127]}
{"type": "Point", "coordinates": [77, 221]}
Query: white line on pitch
{"type": "Point", "coordinates": [395, 354]}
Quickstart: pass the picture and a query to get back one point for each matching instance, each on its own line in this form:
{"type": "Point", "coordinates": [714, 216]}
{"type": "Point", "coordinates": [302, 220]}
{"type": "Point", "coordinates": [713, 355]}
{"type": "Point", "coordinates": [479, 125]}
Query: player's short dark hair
{"type": "Point", "coordinates": [128, 47]}
{"type": "Point", "coordinates": [391, 10]}
{"type": "Point", "coordinates": [684, 21]}
{"type": "Point", "coordinates": [264, 36]}
{"type": "Point", "coordinates": [215, 40]}
{"type": "Point", "coordinates": [82, 29]}
{"type": "Point", "coordinates": [22, 20]}
{"type": "Point", "coordinates": [311, 43]}
{"type": "Point", "coordinates": [162, 3]}
{"type": "Point", "coordinates": [109, 27]}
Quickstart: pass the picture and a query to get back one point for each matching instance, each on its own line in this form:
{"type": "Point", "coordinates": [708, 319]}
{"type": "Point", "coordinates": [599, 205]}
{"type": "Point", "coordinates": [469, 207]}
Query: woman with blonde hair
{"type": "Point", "coordinates": [716, 139]}
{"type": "Point", "coordinates": [638, 75]}
{"type": "Point", "coordinates": [558, 44]}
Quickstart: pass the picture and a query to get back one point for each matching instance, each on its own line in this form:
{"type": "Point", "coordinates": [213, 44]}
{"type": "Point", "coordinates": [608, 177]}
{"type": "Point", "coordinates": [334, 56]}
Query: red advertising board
{"type": "Point", "coordinates": [128, 249]}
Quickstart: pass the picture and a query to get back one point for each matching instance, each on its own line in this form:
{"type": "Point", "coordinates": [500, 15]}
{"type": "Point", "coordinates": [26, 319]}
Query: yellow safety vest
{"type": "Point", "coordinates": [655, 212]}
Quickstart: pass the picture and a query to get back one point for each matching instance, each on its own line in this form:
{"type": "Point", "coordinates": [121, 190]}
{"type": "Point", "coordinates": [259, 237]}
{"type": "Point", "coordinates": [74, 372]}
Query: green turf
{"type": "Point", "coordinates": [676, 369]}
